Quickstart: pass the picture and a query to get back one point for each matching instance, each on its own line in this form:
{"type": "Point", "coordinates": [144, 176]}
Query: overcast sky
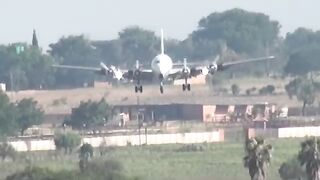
{"type": "Point", "coordinates": [103, 19]}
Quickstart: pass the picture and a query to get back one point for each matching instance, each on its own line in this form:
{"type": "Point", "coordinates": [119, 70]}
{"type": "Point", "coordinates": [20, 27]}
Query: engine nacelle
{"type": "Point", "coordinates": [213, 68]}
{"type": "Point", "coordinates": [204, 71]}
{"type": "Point", "coordinates": [185, 71]}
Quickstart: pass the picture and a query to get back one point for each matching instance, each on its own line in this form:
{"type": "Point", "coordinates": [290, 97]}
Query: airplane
{"type": "Point", "coordinates": [162, 68]}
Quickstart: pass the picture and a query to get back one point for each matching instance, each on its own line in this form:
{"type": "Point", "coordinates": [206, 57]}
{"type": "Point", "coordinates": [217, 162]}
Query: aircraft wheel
{"type": "Point", "coordinates": [161, 89]}
{"type": "Point", "coordinates": [136, 89]}
{"type": "Point", "coordinates": [189, 87]}
{"type": "Point", "coordinates": [140, 89]}
{"type": "Point", "coordinates": [183, 87]}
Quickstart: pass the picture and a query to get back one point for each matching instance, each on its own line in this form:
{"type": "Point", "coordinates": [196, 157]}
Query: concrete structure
{"type": "Point", "coordinates": [288, 132]}
{"type": "Point", "coordinates": [3, 87]}
{"type": "Point", "coordinates": [124, 140]}
{"type": "Point", "coordinates": [200, 112]}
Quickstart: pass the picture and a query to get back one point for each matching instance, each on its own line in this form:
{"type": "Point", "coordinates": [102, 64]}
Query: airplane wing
{"type": "Point", "coordinates": [114, 72]}
{"type": "Point", "coordinates": [76, 67]}
{"type": "Point", "coordinates": [229, 64]}
{"type": "Point", "coordinates": [187, 70]}
{"type": "Point", "coordinates": [102, 70]}
{"type": "Point", "coordinates": [142, 74]}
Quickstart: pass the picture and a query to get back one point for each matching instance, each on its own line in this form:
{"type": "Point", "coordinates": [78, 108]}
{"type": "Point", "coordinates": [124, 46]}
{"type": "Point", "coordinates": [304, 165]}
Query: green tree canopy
{"type": "Point", "coordinates": [7, 116]}
{"type": "Point", "coordinates": [242, 31]}
{"type": "Point", "coordinates": [134, 43]}
{"type": "Point", "coordinates": [78, 51]}
{"type": "Point", "coordinates": [28, 114]}
{"type": "Point", "coordinates": [302, 47]}
{"type": "Point", "coordinates": [304, 89]}
{"type": "Point", "coordinates": [90, 114]}
{"type": "Point", "coordinates": [67, 141]}
{"type": "Point", "coordinates": [28, 70]}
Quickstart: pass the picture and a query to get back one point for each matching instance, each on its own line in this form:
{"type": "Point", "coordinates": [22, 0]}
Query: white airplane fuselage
{"type": "Point", "coordinates": [161, 65]}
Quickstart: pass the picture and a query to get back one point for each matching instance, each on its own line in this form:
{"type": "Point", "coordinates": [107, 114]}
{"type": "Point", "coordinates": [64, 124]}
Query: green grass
{"type": "Point", "coordinates": [222, 161]}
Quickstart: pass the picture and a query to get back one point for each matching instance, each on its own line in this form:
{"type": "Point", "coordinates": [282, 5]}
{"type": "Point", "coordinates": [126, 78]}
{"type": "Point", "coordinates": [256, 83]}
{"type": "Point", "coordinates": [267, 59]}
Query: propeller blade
{"type": "Point", "coordinates": [216, 59]}
{"type": "Point", "coordinates": [104, 66]}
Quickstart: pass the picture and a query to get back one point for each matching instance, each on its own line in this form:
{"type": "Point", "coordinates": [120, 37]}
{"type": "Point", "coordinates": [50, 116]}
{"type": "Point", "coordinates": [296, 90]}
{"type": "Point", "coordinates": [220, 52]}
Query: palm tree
{"type": "Point", "coordinates": [257, 158]}
{"type": "Point", "coordinates": [310, 158]}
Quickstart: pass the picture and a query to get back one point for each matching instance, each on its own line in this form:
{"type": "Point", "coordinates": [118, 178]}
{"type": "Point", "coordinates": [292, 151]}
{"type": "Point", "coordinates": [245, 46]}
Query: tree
{"type": "Point", "coordinates": [257, 158]}
{"type": "Point", "coordinates": [7, 116]}
{"type": "Point", "coordinates": [78, 51]}
{"type": "Point", "coordinates": [90, 114]}
{"type": "Point", "coordinates": [28, 114]}
{"type": "Point", "coordinates": [242, 31]}
{"type": "Point", "coordinates": [85, 152]}
{"type": "Point", "coordinates": [309, 157]}
{"type": "Point", "coordinates": [304, 89]}
{"type": "Point", "coordinates": [67, 141]}
{"type": "Point", "coordinates": [303, 61]}
{"type": "Point", "coordinates": [6, 150]}
{"type": "Point", "coordinates": [302, 47]}
{"type": "Point", "coordinates": [235, 89]}
{"type": "Point", "coordinates": [35, 40]}
{"type": "Point", "coordinates": [292, 87]}
{"type": "Point", "coordinates": [134, 43]}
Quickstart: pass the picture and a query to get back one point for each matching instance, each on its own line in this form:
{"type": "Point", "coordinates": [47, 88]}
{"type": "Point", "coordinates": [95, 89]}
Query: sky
{"type": "Point", "coordinates": [103, 19]}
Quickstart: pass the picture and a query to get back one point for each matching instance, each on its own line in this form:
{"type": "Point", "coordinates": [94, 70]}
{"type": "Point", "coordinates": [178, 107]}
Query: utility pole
{"type": "Point", "coordinates": [267, 62]}
{"type": "Point", "coordinates": [138, 118]}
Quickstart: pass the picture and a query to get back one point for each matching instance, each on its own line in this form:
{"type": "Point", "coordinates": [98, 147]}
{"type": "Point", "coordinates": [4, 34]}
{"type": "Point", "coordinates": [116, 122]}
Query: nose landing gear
{"type": "Point", "coordinates": [161, 83]}
{"type": "Point", "coordinates": [138, 88]}
{"type": "Point", "coordinates": [186, 85]}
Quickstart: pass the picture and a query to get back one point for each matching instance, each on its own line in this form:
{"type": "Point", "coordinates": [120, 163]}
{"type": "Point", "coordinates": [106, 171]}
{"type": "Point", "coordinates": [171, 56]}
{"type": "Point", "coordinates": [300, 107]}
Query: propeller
{"type": "Point", "coordinates": [213, 67]}
{"type": "Point", "coordinates": [117, 73]}
{"type": "Point", "coordinates": [105, 69]}
{"type": "Point", "coordinates": [114, 71]}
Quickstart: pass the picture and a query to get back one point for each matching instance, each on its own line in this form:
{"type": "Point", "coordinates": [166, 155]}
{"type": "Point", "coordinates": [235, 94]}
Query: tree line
{"type": "Point", "coordinates": [233, 34]}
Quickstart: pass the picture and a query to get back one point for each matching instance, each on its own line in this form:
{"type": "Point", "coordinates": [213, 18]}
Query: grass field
{"type": "Point", "coordinates": [222, 161]}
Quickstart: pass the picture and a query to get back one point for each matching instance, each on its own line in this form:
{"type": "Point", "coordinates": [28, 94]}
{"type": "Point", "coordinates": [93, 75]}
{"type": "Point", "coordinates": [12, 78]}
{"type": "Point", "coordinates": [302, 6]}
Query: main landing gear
{"type": "Point", "coordinates": [161, 83]}
{"type": "Point", "coordinates": [138, 88]}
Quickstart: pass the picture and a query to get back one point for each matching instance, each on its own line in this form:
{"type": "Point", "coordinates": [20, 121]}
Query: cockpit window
{"type": "Point", "coordinates": [157, 61]}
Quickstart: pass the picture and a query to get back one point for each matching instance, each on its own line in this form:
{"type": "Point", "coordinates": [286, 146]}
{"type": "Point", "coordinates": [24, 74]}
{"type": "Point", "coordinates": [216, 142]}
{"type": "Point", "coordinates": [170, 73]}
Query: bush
{"type": "Point", "coordinates": [67, 141]}
{"type": "Point", "coordinates": [191, 148]}
{"type": "Point", "coordinates": [86, 151]}
{"type": "Point", "coordinates": [291, 170]}
{"type": "Point", "coordinates": [7, 150]}
{"type": "Point", "coordinates": [235, 89]}
{"type": "Point", "coordinates": [251, 90]}
{"type": "Point", "coordinates": [267, 90]}
{"type": "Point", "coordinates": [97, 170]}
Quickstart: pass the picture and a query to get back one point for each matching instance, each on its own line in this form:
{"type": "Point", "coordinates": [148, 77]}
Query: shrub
{"type": "Point", "coordinates": [235, 89]}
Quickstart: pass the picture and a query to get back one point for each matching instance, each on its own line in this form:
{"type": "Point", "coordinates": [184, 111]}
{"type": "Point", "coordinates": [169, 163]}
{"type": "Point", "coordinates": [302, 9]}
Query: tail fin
{"type": "Point", "coordinates": [185, 63]}
{"type": "Point", "coordinates": [162, 44]}
{"type": "Point", "coordinates": [137, 64]}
